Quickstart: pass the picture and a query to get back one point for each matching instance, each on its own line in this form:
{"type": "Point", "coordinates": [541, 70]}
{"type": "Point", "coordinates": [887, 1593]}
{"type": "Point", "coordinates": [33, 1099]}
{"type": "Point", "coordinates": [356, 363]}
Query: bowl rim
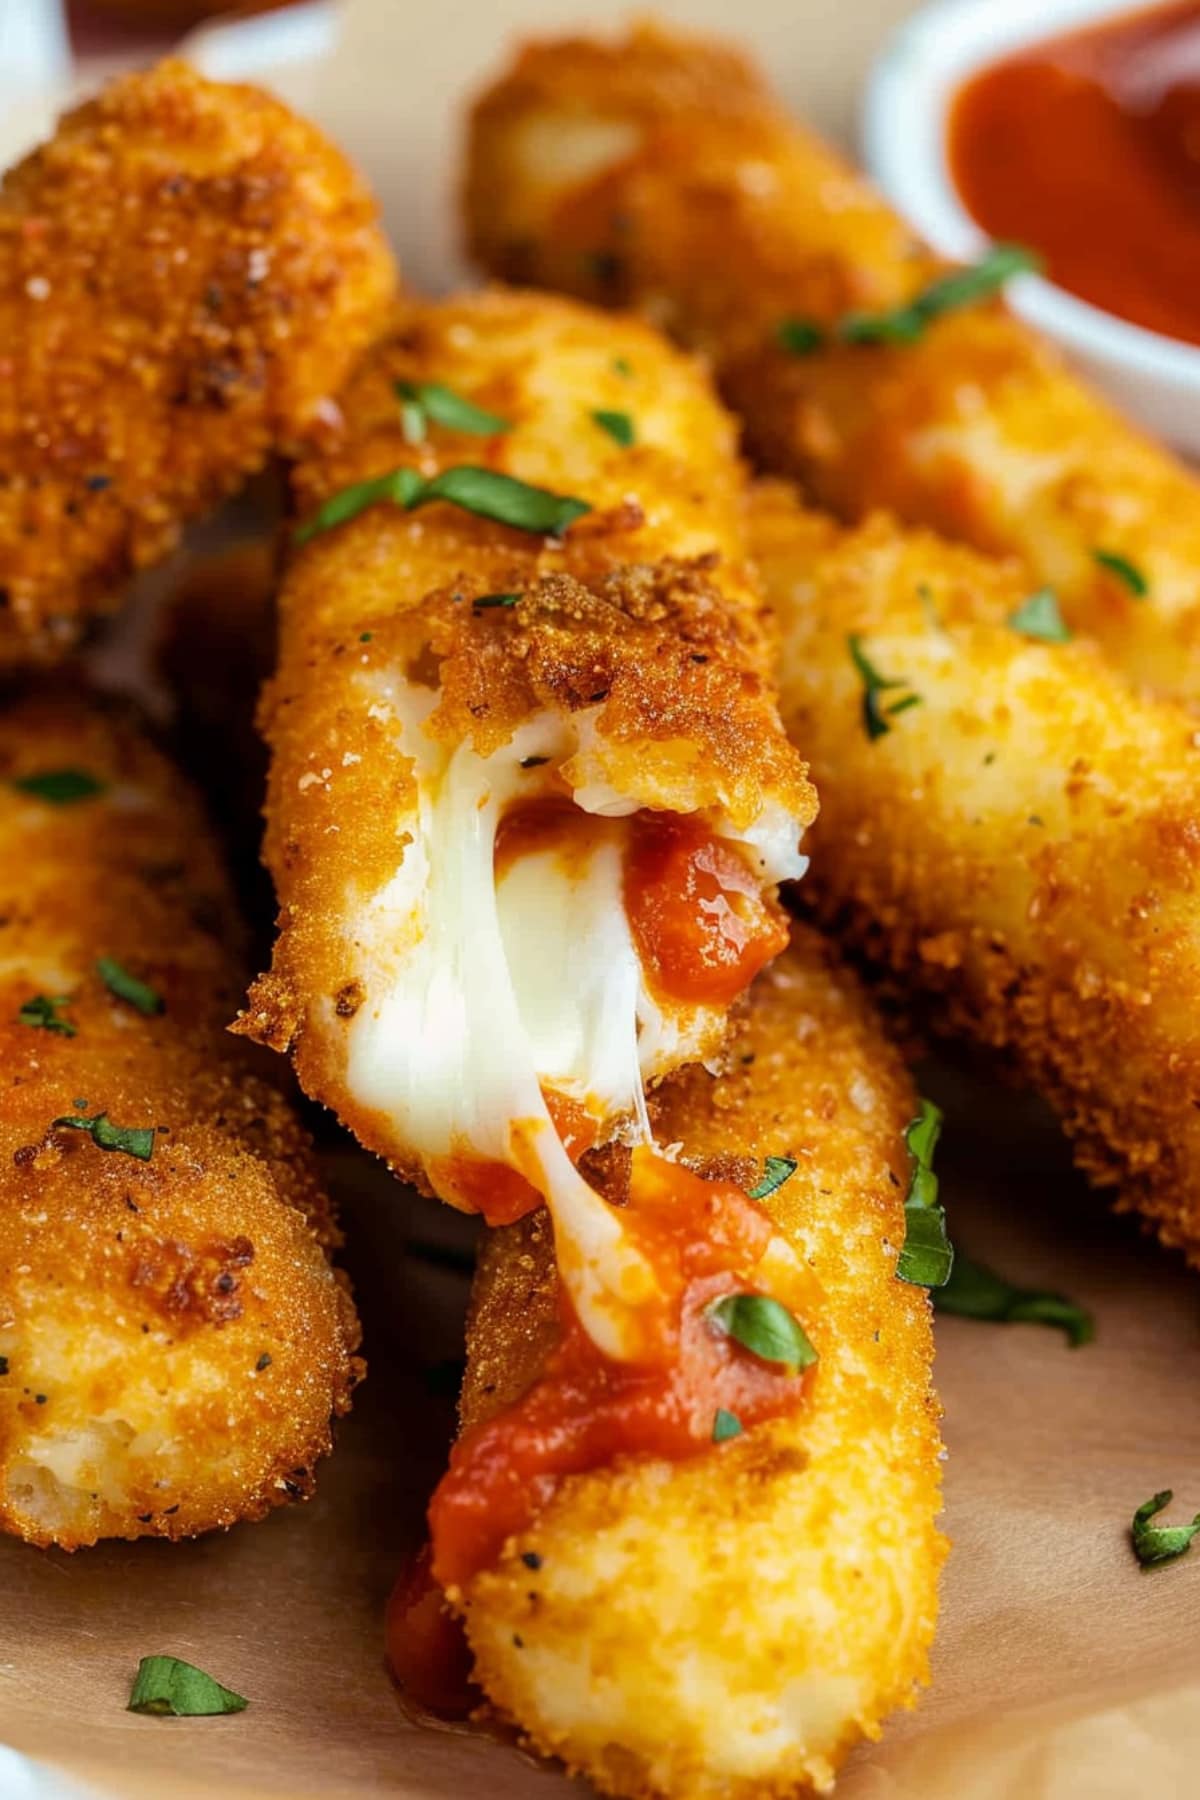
{"type": "Point", "coordinates": [903, 135]}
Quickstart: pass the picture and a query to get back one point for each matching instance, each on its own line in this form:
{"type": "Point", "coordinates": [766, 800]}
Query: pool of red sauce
{"type": "Point", "coordinates": [1086, 147]}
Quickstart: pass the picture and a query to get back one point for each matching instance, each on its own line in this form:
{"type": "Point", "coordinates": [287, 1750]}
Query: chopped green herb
{"type": "Point", "coordinates": [398, 485]}
{"type": "Point", "coordinates": [3, 1365]}
{"type": "Point", "coordinates": [498, 600]}
{"type": "Point", "coordinates": [906, 324]}
{"type": "Point", "coordinates": [125, 986]}
{"type": "Point", "coordinates": [60, 787]}
{"type": "Point", "coordinates": [623, 366]}
{"type": "Point", "coordinates": [1160, 1543]}
{"type": "Point", "coordinates": [618, 425]}
{"type": "Point", "coordinates": [364, 637]}
{"type": "Point", "coordinates": [763, 1326]}
{"type": "Point", "coordinates": [164, 1684]}
{"type": "Point", "coordinates": [481, 491]}
{"type": "Point", "coordinates": [264, 1362]}
{"type": "Point", "coordinates": [1039, 617]}
{"type": "Point", "coordinates": [725, 1425]}
{"type": "Point", "coordinates": [1124, 570]}
{"type": "Point", "coordinates": [875, 714]}
{"type": "Point", "coordinates": [43, 1011]}
{"type": "Point", "coordinates": [927, 1257]}
{"type": "Point", "coordinates": [977, 1292]}
{"type": "Point", "coordinates": [533, 762]}
{"type": "Point", "coordinates": [133, 1140]}
{"type": "Point", "coordinates": [429, 402]}
{"type": "Point", "coordinates": [776, 1170]}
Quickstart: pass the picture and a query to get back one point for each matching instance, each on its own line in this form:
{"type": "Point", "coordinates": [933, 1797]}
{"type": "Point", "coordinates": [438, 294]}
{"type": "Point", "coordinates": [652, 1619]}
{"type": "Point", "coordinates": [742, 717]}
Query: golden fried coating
{"type": "Point", "coordinates": [659, 170]}
{"type": "Point", "coordinates": [637, 640]}
{"type": "Point", "coordinates": [729, 1626]}
{"type": "Point", "coordinates": [1022, 843]}
{"type": "Point", "coordinates": [187, 272]}
{"type": "Point", "coordinates": [173, 1339]}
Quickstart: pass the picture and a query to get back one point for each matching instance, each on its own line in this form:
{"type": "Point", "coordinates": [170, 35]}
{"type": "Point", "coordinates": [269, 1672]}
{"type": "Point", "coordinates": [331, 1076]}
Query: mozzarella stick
{"type": "Point", "coordinates": [173, 1339]}
{"type": "Point", "coordinates": [1009, 827]}
{"type": "Point", "coordinates": [530, 796]}
{"type": "Point", "coordinates": [728, 1624]}
{"type": "Point", "coordinates": [187, 271]}
{"type": "Point", "coordinates": [658, 170]}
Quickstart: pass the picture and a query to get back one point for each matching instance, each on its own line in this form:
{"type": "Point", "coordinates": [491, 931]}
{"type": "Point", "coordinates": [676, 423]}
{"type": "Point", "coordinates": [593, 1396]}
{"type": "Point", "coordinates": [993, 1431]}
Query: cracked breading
{"type": "Point", "coordinates": [1023, 845]}
{"type": "Point", "coordinates": [729, 1626]}
{"type": "Point", "coordinates": [173, 1339]}
{"type": "Point", "coordinates": [187, 272]}
{"type": "Point", "coordinates": [658, 170]}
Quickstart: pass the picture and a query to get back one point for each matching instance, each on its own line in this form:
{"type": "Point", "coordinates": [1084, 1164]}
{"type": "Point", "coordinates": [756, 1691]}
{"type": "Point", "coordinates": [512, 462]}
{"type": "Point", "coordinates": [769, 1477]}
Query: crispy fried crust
{"type": "Point", "coordinates": [1023, 845]}
{"type": "Point", "coordinates": [731, 1625]}
{"type": "Point", "coordinates": [186, 273]}
{"type": "Point", "coordinates": [645, 612]}
{"type": "Point", "coordinates": [173, 1339]}
{"type": "Point", "coordinates": [659, 170]}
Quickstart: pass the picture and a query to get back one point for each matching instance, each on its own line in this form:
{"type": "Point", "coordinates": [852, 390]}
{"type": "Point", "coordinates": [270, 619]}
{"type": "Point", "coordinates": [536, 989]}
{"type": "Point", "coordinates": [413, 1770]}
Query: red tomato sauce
{"type": "Point", "coordinates": [702, 925]}
{"type": "Point", "coordinates": [1087, 148]}
{"type": "Point", "coordinates": [705, 1239]}
{"type": "Point", "coordinates": [427, 1654]}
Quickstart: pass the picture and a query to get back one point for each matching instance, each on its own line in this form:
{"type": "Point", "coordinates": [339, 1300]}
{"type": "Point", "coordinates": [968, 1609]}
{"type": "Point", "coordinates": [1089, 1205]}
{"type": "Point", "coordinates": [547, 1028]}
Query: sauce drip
{"type": "Point", "coordinates": [1087, 148]}
{"type": "Point", "coordinates": [501, 1194]}
{"type": "Point", "coordinates": [427, 1653]}
{"type": "Point", "coordinates": [701, 922]}
{"type": "Point", "coordinates": [705, 1239]}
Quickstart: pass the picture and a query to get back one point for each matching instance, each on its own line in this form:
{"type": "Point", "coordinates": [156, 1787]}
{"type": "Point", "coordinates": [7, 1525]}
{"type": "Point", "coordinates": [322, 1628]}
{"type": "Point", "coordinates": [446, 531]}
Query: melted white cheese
{"type": "Point", "coordinates": [482, 991]}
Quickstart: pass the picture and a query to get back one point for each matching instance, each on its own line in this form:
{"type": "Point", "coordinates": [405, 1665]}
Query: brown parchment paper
{"type": "Point", "coordinates": [1062, 1671]}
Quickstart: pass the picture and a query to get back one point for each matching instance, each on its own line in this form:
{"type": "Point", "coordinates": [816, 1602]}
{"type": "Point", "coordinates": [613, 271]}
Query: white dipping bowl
{"type": "Point", "coordinates": [1155, 379]}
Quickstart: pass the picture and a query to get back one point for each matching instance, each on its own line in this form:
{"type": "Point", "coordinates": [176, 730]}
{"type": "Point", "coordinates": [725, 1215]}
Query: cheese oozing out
{"type": "Point", "coordinates": [488, 986]}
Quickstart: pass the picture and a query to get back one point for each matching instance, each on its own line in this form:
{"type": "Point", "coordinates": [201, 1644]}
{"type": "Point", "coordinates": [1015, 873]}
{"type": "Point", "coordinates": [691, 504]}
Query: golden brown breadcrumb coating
{"type": "Point", "coordinates": [173, 1339]}
{"type": "Point", "coordinates": [187, 272]}
{"type": "Point", "coordinates": [658, 170]}
{"type": "Point", "coordinates": [643, 618]}
{"type": "Point", "coordinates": [1022, 844]}
{"type": "Point", "coordinates": [729, 1626]}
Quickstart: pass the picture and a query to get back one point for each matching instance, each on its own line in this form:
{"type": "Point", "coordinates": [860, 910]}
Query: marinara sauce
{"type": "Point", "coordinates": [1086, 147]}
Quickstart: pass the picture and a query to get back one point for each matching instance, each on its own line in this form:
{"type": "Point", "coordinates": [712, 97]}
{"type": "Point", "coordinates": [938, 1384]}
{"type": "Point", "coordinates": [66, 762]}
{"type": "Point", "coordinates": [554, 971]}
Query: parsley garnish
{"type": "Point", "coordinates": [428, 402]}
{"type": "Point", "coordinates": [164, 1684]}
{"type": "Point", "coordinates": [976, 1292]}
{"type": "Point", "coordinates": [906, 324]}
{"type": "Point", "coordinates": [1160, 1543]}
{"type": "Point", "coordinates": [42, 1011]}
{"type": "Point", "coordinates": [498, 600]}
{"type": "Point", "coordinates": [725, 1425]}
{"type": "Point", "coordinates": [133, 1140]}
{"type": "Point", "coordinates": [765, 1327]}
{"type": "Point", "coordinates": [623, 366]}
{"type": "Point", "coordinates": [482, 491]}
{"type": "Point", "coordinates": [125, 986]}
{"type": "Point", "coordinates": [60, 787]}
{"type": "Point", "coordinates": [1124, 570]}
{"type": "Point", "coordinates": [927, 1256]}
{"type": "Point", "coordinates": [1039, 617]}
{"type": "Point", "coordinates": [776, 1170]}
{"type": "Point", "coordinates": [875, 714]}
{"type": "Point", "coordinates": [618, 425]}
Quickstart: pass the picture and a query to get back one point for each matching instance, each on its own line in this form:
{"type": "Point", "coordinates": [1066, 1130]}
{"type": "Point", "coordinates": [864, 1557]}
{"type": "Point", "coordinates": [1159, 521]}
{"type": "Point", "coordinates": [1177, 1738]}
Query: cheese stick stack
{"type": "Point", "coordinates": [658, 170]}
{"type": "Point", "coordinates": [729, 1625]}
{"type": "Point", "coordinates": [173, 1339]}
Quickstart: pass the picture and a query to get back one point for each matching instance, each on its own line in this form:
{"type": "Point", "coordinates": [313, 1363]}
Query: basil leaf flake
{"type": "Point", "coordinates": [498, 600]}
{"type": "Point", "coordinates": [1124, 570]}
{"type": "Point", "coordinates": [763, 1326]}
{"type": "Point", "coordinates": [1154, 1544]}
{"type": "Point", "coordinates": [977, 1292]}
{"type": "Point", "coordinates": [429, 400]}
{"type": "Point", "coordinates": [619, 426]}
{"type": "Point", "coordinates": [43, 1011]}
{"type": "Point", "coordinates": [165, 1684]}
{"type": "Point", "coordinates": [776, 1170]}
{"type": "Point", "coordinates": [1039, 617]}
{"type": "Point", "coordinates": [125, 986]}
{"type": "Point", "coordinates": [875, 714]}
{"type": "Point", "coordinates": [726, 1425]}
{"type": "Point", "coordinates": [60, 787]}
{"type": "Point", "coordinates": [927, 1257]}
{"type": "Point", "coordinates": [132, 1140]}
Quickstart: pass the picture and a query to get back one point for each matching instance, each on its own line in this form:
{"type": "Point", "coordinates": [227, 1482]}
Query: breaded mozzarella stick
{"type": "Point", "coordinates": [187, 272]}
{"type": "Point", "coordinates": [658, 170]}
{"type": "Point", "coordinates": [530, 797]}
{"type": "Point", "coordinates": [173, 1340]}
{"type": "Point", "coordinates": [731, 1623]}
{"type": "Point", "coordinates": [1007, 826]}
